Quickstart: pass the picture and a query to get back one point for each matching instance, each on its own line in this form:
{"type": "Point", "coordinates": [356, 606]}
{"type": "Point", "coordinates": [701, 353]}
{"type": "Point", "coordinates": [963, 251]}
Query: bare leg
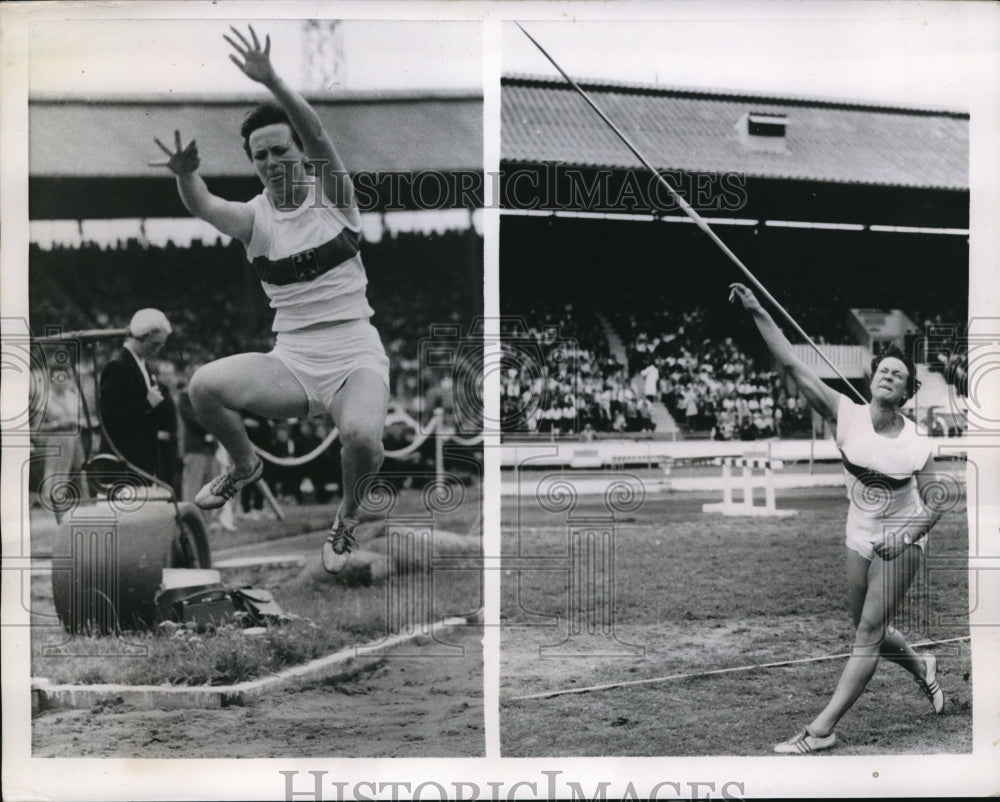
{"type": "Point", "coordinates": [894, 646]}
{"type": "Point", "coordinates": [259, 383]}
{"type": "Point", "coordinates": [896, 649]}
{"type": "Point", "coordinates": [887, 583]}
{"type": "Point", "coordinates": [359, 410]}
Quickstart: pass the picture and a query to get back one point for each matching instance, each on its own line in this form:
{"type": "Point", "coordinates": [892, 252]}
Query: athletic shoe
{"type": "Point", "coordinates": [339, 545]}
{"type": "Point", "coordinates": [804, 743]}
{"type": "Point", "coordinates": [929, 684]}
{"type": "Point", "coordinates": [222, 488]}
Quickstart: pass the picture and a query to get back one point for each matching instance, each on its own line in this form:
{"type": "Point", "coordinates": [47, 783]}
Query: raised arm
{"type": "Point", "coordinates": [319, 148]}
{"type": "Point", "coordinates": [230, 217]}
{"type": "Point", "coordinates": [821, 397]}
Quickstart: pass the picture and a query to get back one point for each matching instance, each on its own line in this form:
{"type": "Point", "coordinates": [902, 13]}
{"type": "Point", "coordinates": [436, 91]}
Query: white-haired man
{"type": "Point", "coordinates": [129, 391]}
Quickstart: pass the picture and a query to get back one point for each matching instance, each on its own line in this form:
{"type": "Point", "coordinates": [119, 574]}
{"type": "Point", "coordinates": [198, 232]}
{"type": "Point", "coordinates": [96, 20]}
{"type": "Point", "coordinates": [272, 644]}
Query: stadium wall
{"type": "Point", "coordinates": [618, 453]}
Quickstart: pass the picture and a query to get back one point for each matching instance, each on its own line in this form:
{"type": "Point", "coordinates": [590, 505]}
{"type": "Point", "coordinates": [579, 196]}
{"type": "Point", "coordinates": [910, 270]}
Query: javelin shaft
{"type": "Point", "coordinates": [690, 212]}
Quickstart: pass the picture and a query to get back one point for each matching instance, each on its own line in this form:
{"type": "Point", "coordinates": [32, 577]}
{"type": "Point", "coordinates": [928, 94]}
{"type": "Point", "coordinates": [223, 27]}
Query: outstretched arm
{"type": "Point", "coordinates": [821, 397]}
{"type": "Point", "coordinates": [319, 147]}
{"type": "Point", "coordinates": [230, 217]}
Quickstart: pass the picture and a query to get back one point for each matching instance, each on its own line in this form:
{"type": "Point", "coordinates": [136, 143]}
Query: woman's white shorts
{"type": "Point", "coordinates": [321, 359]}
{"type": "Point", "coordinates": [864, 533]}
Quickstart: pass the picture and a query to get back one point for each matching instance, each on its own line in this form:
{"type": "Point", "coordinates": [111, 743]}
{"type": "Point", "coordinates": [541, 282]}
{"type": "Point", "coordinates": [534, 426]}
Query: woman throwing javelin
{"type": "Point", "coordinates": [888, 468]}
{"type": "Point", "coordinates": [302, 235]}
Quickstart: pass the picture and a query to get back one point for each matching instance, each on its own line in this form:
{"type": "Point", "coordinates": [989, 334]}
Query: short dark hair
{"type": "Point", "coordinates": [267, 113]}
{"type": "Point", "coordinates": [895, 352]}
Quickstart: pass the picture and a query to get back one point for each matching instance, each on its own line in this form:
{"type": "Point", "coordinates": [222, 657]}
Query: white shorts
{"type": "Point", "coordinates": [864, 537]}
{"type": "Point", "coordinates": [321, 359]}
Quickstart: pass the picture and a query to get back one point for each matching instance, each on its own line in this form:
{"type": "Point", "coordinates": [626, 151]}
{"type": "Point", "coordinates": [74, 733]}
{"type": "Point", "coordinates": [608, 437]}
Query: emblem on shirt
{"type": "Point", "coordinates": [305, 265]}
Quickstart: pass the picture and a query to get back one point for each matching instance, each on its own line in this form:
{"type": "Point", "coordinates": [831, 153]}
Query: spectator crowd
{"type": "Point", "coordinates": [559, 377]}
{"type": "Point", "coordinates": [418, 284]}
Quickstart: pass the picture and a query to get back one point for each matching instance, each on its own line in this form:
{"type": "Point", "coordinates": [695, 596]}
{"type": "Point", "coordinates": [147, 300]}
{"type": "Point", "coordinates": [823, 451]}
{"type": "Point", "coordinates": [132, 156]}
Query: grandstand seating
{"type": "Point", "coordinates": [663, 289]}
{"type": "Point", "coordinates": [217, 307]}
{"type": "Point", "coordinates": [722, 387]}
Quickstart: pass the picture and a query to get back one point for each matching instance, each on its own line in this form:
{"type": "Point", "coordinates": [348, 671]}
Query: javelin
{"type": "Point", "coordinates": [690, 212]}
{"type": "Point", "coordinates": [699, 674]}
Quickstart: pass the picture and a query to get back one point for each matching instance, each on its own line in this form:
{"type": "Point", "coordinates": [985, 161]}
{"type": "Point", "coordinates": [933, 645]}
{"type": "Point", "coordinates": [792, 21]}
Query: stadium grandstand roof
{"type": "Point", "coordinates": [113, 136]}
{"type": "Point", "coordinates": [695, 130]}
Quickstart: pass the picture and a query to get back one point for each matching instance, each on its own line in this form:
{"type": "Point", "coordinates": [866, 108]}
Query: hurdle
{"type": "Point", "coordinates": [749, 463]}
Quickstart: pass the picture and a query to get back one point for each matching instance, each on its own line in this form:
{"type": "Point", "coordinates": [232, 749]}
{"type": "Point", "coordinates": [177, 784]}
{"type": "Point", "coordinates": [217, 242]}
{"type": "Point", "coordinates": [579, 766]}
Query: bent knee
{"type": "Point", "coordinates": [361, 433]}
{"type": "Point", "coordinates": [204, 384]}
{"type": "Point", "coordinates": [213, 385]}
{"type": "Point", "coordinates": [201, 384]}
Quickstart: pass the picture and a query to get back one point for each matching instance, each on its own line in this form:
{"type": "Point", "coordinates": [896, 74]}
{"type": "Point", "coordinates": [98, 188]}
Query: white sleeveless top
{"type": "Point", "coordinates": [338, 293]}
{"type": "Point", "coordinates": [878, 470]}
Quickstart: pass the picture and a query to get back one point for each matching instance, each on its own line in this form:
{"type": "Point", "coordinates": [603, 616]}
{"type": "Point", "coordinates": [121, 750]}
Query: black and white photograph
{"type": "Point", "coordinates": [253, 480]}
{"type": "Point", "coordinates": [734, 304]}
{"type": "Point", "coordinates": [499, 400]}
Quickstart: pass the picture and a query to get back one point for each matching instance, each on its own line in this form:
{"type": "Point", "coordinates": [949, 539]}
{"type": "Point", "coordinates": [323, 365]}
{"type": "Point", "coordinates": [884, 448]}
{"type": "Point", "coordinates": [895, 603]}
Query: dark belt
{"type": "Point", "coordinates": [310, 263]}
{"type": "Point", "coordinates": [871, 478]}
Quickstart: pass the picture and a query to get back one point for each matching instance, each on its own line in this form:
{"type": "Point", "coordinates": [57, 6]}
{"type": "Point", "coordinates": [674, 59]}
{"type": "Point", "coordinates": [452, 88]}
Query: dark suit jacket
{"type": "Point", "coordinates": [129, 420]}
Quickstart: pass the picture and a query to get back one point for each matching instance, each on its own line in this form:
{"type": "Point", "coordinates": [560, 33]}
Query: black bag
{"type": "Point", "coordinates": [258, 605]}
{"type": "Point", "coordinates": [204, 605]}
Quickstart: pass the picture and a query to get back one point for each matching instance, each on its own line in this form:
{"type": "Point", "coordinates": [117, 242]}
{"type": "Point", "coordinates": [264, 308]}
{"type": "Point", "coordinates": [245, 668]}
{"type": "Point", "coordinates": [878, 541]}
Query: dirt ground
{"type": "Point", "coordinates": [713, 599]}
{"type": "Point", "coordinates": [393, 706]}
{"type": "Point", "coordinates": [742, 712]}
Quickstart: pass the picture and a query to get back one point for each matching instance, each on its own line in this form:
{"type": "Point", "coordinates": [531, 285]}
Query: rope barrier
{"type": "Point", "coordinates": [292, 462]}
{"type": "Point", "coordinates": [714, 672]}
{"type": "Point", "coordinates": [466, 441]}
{"type": "Point", "coordinates": [434, 427]}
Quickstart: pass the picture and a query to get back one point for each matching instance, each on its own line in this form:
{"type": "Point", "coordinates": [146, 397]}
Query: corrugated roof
{"type": "Point", "coordinates": [692, 130]}
{"type": "Point", "coordinates": [114, 137]}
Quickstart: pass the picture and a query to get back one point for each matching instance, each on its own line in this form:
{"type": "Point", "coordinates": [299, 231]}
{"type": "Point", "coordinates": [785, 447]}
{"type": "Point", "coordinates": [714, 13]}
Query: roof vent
{"type": "Point", "coordinates": [763, 131]}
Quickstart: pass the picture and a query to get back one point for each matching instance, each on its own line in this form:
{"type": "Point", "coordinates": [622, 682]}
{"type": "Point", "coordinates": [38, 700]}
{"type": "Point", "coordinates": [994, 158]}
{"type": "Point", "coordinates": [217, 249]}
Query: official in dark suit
{"type": "Point", "coordinates": [130, 394]}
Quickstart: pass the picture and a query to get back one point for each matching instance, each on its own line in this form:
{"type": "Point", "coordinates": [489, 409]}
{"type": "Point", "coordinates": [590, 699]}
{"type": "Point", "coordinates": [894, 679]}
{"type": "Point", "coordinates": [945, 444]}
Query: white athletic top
{"type": "Point", "coordinates": [338, 293]}
{"type": "Point", "coordinates": [878, 470]}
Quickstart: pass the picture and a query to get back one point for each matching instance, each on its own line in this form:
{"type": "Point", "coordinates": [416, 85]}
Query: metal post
{"type": "Point", "coordinates": [812, 450]}
{"type": "Point", "coordinates": [727, 486]}
{"type": "Point", "coordinates": [438, 444]}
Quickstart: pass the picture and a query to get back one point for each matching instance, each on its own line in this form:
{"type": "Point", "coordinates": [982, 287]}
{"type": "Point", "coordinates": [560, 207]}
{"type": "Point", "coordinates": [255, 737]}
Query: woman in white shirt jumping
{"type": "Point", "coordinates": [302, 235]}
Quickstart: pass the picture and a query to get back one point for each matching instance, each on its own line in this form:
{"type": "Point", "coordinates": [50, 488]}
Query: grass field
{"type": "Point", "coordinates": [695, 593]}
{"type": "Point", "coordinates": [325, 616]}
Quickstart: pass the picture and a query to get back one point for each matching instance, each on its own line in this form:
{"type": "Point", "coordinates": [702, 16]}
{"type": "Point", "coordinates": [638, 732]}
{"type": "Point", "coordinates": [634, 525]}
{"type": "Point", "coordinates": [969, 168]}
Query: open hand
{"type": "Point", "coordinates": [256, 64]}
{"type": "Point", "coordinates": [743, 294]}
{"type": "Point", "coordinates": [179, 161]}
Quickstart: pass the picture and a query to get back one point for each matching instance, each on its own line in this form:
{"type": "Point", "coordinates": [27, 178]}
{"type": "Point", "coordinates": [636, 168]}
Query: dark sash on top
{"type": "Point", "coordinates": [871, 478]}
{"type": "Point", "coordinates": [310, 263]}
